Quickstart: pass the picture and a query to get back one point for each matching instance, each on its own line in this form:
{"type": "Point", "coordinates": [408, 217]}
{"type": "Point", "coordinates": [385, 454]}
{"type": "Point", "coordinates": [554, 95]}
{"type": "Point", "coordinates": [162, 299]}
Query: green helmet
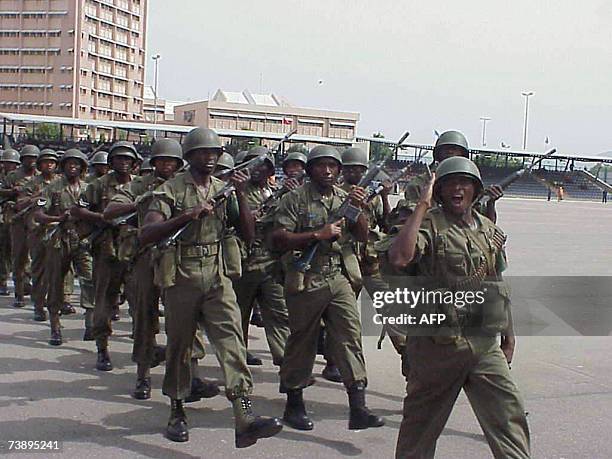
{"type": "Point", "coordinates": [225, 161]}
{"type": "Point", "coordinates": [298, 148]}
{"type": "Point", "coordinates": [454, 138]}
{"type": "Point", "coordinates": [458, 165]}
{"type": "Point", "coordinates": [146, 165]}
{"type": "Point", "coordinates": [10, 156]}
{"type": "Point", "coordinates": [47, 153]}
{"type": "Point", "coordinates": [201, 138]}
{"type": "Point", "coordinates": [167, 148]}
{"type": "Point", "coordinates": [354, 157]}
{"type": "Point", "coordinates": [258, 151]}
{"type": "Point", "coordinates": [295, 156]}
{"type": "Point", "coordinates": [122, 148]}
{"type": "Point", "coordinates": [74, 153]}
{"type": "Point", "coordinates": [29, 150]}
{"type": "Point", "coordinates": [99, 158]}
{"type": "Point", "coordinates": [323, 151]}
{"type": "Point", "coordinates": [240, 157]}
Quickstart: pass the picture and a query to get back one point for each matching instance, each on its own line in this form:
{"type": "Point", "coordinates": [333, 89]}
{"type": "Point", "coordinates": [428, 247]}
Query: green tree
{"type": "Point", "coordinates": [237, 144]}
{"type": "Point", "coordinates": [45, 132]}
{"type": "Point", "coordinates": [379, 151]}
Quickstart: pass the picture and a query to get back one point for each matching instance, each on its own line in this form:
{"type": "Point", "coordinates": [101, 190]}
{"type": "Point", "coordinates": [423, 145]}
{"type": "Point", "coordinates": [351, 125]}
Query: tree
{"type": "Point", "coordinates": [236, 145]}
{"type": "Point", "coordinates": [45, 132]}
{"type": "Point", "coordinates": [378, 150]}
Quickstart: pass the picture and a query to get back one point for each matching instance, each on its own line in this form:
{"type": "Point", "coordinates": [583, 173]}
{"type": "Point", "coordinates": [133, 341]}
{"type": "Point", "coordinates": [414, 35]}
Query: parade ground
{"type": "Point", "coordinates": [55, 394]}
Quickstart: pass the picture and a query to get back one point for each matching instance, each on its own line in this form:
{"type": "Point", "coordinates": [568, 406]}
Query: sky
{"type": "Point", "coordinates": [404, 65]}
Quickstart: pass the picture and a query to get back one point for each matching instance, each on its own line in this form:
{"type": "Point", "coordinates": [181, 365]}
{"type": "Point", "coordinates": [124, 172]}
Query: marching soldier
{"type": "Point", "coordinates": [13, 185]}
{"type": "Point", "coordinates": [46, 163]}
{"type": "Point", "coordinates": [261, 272]}
{"type": "Point", "coordinates": [195, 286]}
{"type": "Point", "coordinates": [326, 291]}
{"type": "Point", "coordinates": [167, 158]}
{"type": "Point", "coordinates": [99, 165]}
{"type": "Point", "coordinates": [146, 168]}
{"type": "Point", "coordinates": [225, 163]}
{"type": "Point", "coordinates": [456, 249]}
{"type": "Point", "coordinates": [109, 272]}
{"type": "Point", "coordinates": [10, 161]}
{"type": "Point", "coordinates": [65, 249]}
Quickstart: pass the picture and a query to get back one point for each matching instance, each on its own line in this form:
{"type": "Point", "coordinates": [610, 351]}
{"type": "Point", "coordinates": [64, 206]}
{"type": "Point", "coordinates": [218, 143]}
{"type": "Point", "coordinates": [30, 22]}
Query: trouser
{"type": "Point", "coordinates": [5, 253]}
{"type": "Point", "coordinates": [436, 375]}
{"type": "Point", "coordinates": [69, 284]}
{"type": "Point", "coordinates": [108, 276]}
{"type": "Point", "coordinates": [144, 296]}
{"type": "Point", "coordinates": [61, 255]}
{"type": "Point", "coordinates": [38, 252]}
{"type": "Point", "coordinates": [263, 286]}
{"type": "Point", "coordinates": [203, 296]}
{"type": "Point", "coordinates": [333, 301]}
{"type": "Point", "coordinates": [19, 252]}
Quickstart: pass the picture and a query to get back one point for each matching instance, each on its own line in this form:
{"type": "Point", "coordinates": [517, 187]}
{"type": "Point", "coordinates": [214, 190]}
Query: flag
{"type": "Point", "coordinates": [287, 121]}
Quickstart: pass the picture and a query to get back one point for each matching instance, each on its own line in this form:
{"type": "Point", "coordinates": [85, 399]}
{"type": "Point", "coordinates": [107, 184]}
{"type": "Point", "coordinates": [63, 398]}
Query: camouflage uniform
{"type": "Point", "coordinates": [5, 242]}
{"type": "Point", "coordinates": [261, 281]}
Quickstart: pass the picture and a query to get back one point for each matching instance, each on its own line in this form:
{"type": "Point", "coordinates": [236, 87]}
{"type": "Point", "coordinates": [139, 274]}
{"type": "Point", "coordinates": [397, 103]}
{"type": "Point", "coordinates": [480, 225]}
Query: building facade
{"type": "Point", "coordinates": [73, 58]}
{"type": "Point", "coordinates": [267, 114]}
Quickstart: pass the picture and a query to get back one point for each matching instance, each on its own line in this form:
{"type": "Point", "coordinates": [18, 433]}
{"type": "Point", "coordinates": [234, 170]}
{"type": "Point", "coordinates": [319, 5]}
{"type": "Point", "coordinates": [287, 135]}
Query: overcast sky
{"type": "Point", "coordinates": [404, 65]}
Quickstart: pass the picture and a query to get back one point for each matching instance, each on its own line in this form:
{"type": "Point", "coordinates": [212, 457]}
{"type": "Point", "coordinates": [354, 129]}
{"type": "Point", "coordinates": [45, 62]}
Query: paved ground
{"type": "Point", "coordinates": [56, 394]}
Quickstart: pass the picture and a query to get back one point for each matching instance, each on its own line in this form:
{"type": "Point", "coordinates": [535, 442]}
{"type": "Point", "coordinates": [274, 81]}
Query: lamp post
{"type": "Point", "coordinates": [527, 95]}
{"type": "Point", "coordinates": [484, 120]}
{"type": "Point", "coordinates": [156, 60]}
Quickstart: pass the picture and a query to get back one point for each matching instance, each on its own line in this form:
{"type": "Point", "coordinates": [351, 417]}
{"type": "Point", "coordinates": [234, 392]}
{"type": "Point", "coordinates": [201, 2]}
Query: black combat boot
{"type": "Point", "coordinates": [252, 360]}
{"type": "Point", "coordinates": [295, 412]}
{"type": "Point", "coordinates": [40, 315]}
{"type": "Point", "coordinates": [19, 303]}
{"type": "Point", "coordinates": [331, 373]}
{"type": "Point", "coordinates": [143, 389]}
{"type": "Point", "coordinates": [103, 363]}
{"type": "Point", "coordinates": [177, 424]}
{"type": "Point", "coordinates": [88, 334]}
{"type": "Point", "coordinates": [361, 417]}
{"type": "Point", "coordinates": [67, 309]}
{"type": "Point", "coordinates": [56, 332]}
{"type": "Point", "coordinates": [249, 428]}
{"type": "Point", "coordinates": [201, 389]}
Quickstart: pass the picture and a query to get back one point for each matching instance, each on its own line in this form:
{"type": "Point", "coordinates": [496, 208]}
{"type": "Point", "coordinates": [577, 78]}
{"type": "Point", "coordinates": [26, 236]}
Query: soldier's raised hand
{"type": "Point", "coordinates": [240, 180]}
{"type": "Point", "coordinates": [201, 210]}
{"type": "Point", "coordinates": [427, 191]}
{"type": "Point", "coordinates": [358, 196]}
{"type": "Point", "coordinates": [291, 184]}
{"type": "Point", "coordinates": [494, 192]}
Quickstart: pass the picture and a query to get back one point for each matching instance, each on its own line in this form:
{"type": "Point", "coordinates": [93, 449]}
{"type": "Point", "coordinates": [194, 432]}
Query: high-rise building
{"type": "Point", "coordinates": [73, 58]}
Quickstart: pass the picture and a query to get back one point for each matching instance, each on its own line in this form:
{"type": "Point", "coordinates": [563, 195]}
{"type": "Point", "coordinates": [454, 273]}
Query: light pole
{"type": "Point", "coordinates": [527, 95]}
{"type": "Point", "coordinates": [156, 60]}
{"type": "Point", "coordinates": [484, 120]}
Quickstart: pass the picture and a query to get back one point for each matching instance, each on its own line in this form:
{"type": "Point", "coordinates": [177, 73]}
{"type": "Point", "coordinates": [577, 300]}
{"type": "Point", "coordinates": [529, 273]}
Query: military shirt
{"type": "Point", "coordinates": [135, 192]}
{"type": "Point", "coordinates": [16, 178]}
{"type": "Point", "coordinates": [258, 255]}
{"type": "Point", "coordinates": [60, 197]}
{"type": "Point", "coordinates": [181, 193]}
{"type": "Point", "coordinates": [35, 187]}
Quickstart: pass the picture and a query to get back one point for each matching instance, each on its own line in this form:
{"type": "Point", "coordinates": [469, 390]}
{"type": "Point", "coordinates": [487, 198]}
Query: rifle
{"type": "Point", "coordinates": [510, 179]}
{"type": "Point", "coordinates": [120, 220]}
{"type": "Point", "coordinates": [283, 140]}
{"type": "Point", "coordinates": [265, 206]}
{"type": "Point", "coordinates": [220, 197]}
{"type": "Point", "coordinates": [245, 165]}
{"type": "Point", "coordinates": [37, 203]}
{"type": "Point", "coordinates": [346, 210]}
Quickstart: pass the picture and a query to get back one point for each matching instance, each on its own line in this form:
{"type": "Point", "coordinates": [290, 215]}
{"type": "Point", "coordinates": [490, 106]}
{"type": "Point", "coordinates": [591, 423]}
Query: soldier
{"type": "Point", "coordinates": [457, 249]}
{"type": "Point", "coordinates": [225, 163]}
{"type": "Point", "coordinates": [449, 144]}
{"type": "Point", "coordinates": [195, 286]}
{"type": "Point", "coordinates": [10, 161]}
{"type": "Point", "coordinates": [109, 272]}
{"type": "Point", "coordinates": [146, 168]}
{"type": "Point", "coordinates": [46, 163]}
{"type": "Point", "coordinates": [261, 272]}
{"type": "Point", "coordinates": [167, 158]}
{"type": "Point", "coordinates": [13, 185]}
{"type": "Point", "coordinates": [64, 246]}
{"type": "Point", "coordinates": [326, 291]}
{"type": "Point", "coordinates": [99, 164]}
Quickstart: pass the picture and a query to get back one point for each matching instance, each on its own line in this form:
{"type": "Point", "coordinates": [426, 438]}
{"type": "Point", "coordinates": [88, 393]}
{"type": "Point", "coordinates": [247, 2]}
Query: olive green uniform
{"type": "Point", "coordinates": [108, 271]}
{"type": "Point", "coordinates": [447, 253]}
{"type": "Point", "coordinates": [66, 249]}
{"type": "Point", "coordinates": [261, 281]}
{"type": "Point", "coordinates": [19, 244]}
{"type": "Point", "coordinates": [5, 241]}
{"type": "Point", "coordinates": [36, 245]}
{"type": "Point", "coordinates": [142, 292]}
{"type": "Point", "coordinates": [326, 293]}
{"type": "Point", "coordinates": [198, 291]}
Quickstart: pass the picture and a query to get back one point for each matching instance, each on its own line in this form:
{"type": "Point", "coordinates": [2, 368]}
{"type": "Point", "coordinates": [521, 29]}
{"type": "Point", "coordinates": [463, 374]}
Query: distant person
{"type": "Point", "coordinates": [560, 193]}
{"type": "Point", "coordinates": [549, 193]}
{"type": "Point", "coordinates": [604, 196]}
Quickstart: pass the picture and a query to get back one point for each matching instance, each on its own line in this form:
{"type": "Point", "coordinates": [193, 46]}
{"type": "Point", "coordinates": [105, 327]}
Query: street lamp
{"type": "Point", "coordinates": [527, 95]}
{"type": "Point", "coordinates": [156, 60]}
{"type": "Point", "coordinates": [484, 120]}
